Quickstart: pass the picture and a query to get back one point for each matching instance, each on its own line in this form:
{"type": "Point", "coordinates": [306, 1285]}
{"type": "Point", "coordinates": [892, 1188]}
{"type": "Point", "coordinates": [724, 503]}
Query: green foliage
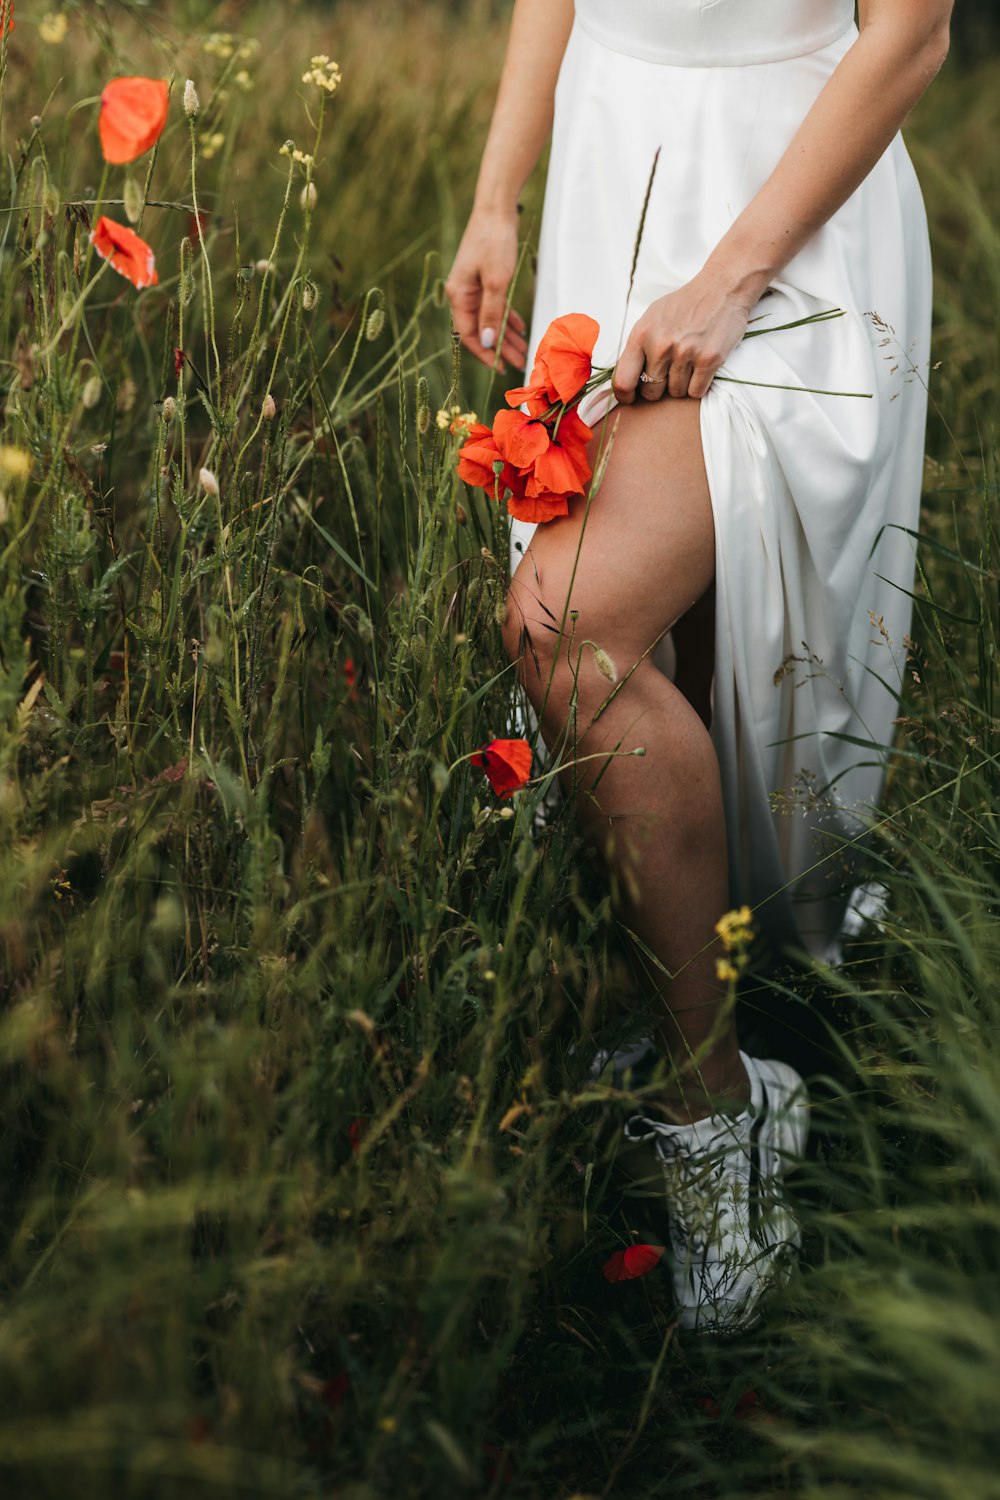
{"type": "Point", "coordinates": [303, 1188]}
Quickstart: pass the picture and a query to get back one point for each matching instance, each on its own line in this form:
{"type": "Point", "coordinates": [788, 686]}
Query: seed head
{"type": "Point", "coordinates": [192, 104]}
{"type": "Point", "coordinates": [91, 393]}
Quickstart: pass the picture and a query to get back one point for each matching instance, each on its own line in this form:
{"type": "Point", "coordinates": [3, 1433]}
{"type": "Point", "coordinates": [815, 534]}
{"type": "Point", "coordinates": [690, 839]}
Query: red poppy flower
{"type": "Point", "coordinates": [633, 1261]}
{"type": "Point", "coordinates": [122, 247]}
{"type": "Point", "coordinates": [179, 358]}
{"type": "Point", "coordinates": [332, 1392]}
{"type": "Point", "coordinates": [476, 458]}
{"type": "Point", "coordinates": [507, 764]}
{"type": "Point", "coordinates": [563, 358]}
{"type": "Point", "coordinates": [521, 439]}
{"type": "Point", "coordinates": [133, 114]}
{"type": "Point", "coordinates": [563, 466]}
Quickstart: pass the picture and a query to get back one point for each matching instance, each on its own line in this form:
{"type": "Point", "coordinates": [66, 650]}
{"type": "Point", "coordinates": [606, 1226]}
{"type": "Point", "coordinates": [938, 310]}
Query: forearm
{"type": "Point", "coordinates": [855, 117]}
{"type": "Point", "coordinates": [522, 116]}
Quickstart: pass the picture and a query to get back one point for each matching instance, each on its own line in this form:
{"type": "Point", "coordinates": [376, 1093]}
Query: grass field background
{"type": "Point", "coordinates": [303, 1189]}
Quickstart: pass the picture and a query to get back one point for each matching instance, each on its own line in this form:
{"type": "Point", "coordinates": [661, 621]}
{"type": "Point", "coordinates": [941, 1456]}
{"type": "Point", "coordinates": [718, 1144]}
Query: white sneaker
{"type": "Point", "coordinates": [732, 1234]}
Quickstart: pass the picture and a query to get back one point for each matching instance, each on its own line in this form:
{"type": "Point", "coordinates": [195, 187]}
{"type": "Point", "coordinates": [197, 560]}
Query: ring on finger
{"type": "Point", "coordinates": [650, 380]}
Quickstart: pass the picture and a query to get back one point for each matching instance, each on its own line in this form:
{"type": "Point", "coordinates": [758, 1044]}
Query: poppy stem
{"type": "Point", "coordinates": [70, 317]}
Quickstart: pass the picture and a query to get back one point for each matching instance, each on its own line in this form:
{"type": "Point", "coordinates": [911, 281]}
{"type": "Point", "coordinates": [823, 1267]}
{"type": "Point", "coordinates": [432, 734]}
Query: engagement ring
{"type": "Point", "coordinates": [648, 379]}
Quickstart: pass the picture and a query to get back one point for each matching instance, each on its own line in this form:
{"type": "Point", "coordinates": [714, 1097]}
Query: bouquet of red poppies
{"type": "Point", "coordinates": [538, 459]}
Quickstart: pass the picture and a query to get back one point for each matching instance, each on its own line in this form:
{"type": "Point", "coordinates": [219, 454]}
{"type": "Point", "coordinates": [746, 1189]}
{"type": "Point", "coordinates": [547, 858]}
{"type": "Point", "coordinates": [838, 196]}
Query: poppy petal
{"type": "Point", "coordinates": [536, 509]}
{"type": "Point", "coordinates": [633, 1261]}
{"type": "Point", "coordinates": [132, 116]}
{"type": "Point", "coordinates": [507, 764]}
{"type": "Point", "coordinates": [520, 438]}
{"type": "Point", "coordinates": [130, 256]}
{"type": "Point", "coordinates": [563, 358]}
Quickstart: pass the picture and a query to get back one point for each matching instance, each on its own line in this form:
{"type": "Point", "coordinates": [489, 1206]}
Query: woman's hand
{"type": "Point", "coordinates": [682, 339]}
{"type": "Point", "coordinates": [477, 288]}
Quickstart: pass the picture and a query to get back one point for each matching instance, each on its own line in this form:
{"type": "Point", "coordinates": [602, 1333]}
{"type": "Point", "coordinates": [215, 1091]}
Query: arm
{"type": "Point", "coordinates": [479, 279]}
{"type": "Point", "coordinates": [861, 107]}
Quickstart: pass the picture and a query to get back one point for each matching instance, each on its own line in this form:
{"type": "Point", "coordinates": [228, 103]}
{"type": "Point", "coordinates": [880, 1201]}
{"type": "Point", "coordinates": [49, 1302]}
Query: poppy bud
{"type": "Point", "coordinates": [460, 515]}
{"type": "Point", "coordinates": [208, 482]}
{"type": "Point", "coordinates": [309, 296]}
{"type": "Point", "coordinates": [168, 410]}
{"type": "Point", "coordinates": [308, 196]}
{"type": "Point", "coordinates": [375, 324]}
{"type": "Point", "coordinates": [268, 408]}
{"type": "Point", "coordinates": [192, 104]}
{"type": "Point", "coordinates": [604, 664]}
{"type": "Point", "coordinates": [132, 199]}
{"type": "Point", "coordinates": [91, 393]}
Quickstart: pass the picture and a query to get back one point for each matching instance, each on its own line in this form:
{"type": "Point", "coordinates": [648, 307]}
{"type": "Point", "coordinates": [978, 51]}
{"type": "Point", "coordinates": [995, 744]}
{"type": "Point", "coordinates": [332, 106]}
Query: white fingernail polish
{"type": "Point", "coordinates": [488, 338]}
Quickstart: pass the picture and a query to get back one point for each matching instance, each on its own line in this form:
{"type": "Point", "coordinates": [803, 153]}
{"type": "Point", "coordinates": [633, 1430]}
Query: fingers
{"type": "Point", "coordinates": [680, 378]}
{"type": "Point", "coordinates": [702, 377]}
{"type": "Point", "coordinates": [478, 316]}
{"type": "Point", "coordinates": [655, 388]}
{"type": "Point", "coordinates": [515, 344]}
{"type": "Point", "coordinates": [492, 311]}
{"type": "Point", "coordinates": [628, 369]}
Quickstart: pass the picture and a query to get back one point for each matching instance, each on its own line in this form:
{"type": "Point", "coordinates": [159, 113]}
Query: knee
{"type": "Point", "coordinates": [535, 647]}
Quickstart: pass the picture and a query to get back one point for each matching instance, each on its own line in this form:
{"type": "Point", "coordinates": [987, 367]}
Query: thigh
{"type": "Point", "coordinates": [642, 552]}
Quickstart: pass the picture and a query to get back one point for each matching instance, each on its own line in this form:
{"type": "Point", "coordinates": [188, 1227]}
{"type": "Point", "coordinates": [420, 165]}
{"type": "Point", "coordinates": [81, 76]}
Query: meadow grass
{"type": "Point", "coordinates": [304, 1191]}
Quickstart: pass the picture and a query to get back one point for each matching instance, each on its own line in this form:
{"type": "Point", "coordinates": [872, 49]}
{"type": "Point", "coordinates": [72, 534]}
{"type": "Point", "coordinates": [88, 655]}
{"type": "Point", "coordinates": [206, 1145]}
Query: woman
{"type": "Point", "coordinates": [774, 516]}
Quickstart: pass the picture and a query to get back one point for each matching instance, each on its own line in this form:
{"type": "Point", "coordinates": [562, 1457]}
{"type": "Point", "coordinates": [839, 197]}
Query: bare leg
{"type": "Point", "coordinates": [646, 555]}
{"type": "Point", "coordinates": [694, 645]}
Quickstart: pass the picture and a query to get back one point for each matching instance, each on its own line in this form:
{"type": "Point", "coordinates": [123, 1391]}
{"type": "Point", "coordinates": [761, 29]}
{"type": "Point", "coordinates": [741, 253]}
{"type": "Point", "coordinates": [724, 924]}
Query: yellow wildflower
{"type": "Point", "coordinates": [734, 928]}
{"type": "Point", "coordinates": [15, 463]}
{"type": "Point", "coordinates": [324, 73]}
{"type": "Point", "coordinates": [219, 44]}
{"type": "Point", "coordinates": [53, 27]}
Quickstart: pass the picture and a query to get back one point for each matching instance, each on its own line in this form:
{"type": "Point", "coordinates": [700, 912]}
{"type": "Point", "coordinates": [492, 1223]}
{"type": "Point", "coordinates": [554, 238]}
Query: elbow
{"type": "Point", "coordinates": [940, 40]}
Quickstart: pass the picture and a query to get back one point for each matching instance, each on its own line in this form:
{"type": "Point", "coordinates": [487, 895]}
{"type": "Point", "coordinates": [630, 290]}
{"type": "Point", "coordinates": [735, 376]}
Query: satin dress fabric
{"type": "Point", "coordinates": [814, 496]}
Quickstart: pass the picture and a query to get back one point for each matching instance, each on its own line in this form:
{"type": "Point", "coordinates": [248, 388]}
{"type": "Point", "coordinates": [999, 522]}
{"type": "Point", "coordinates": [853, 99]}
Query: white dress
{"type": "Point", "coordinates": [811, 494]}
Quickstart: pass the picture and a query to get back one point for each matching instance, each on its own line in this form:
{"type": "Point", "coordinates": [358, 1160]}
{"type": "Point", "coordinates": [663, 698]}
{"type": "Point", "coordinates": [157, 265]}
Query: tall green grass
{"type": "Point", "coordinates": [304, 1191]}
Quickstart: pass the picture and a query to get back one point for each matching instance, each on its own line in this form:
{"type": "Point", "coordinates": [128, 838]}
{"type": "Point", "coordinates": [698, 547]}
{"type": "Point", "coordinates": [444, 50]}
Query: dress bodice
{"type": "Point", "coordinates": [715, 33]}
